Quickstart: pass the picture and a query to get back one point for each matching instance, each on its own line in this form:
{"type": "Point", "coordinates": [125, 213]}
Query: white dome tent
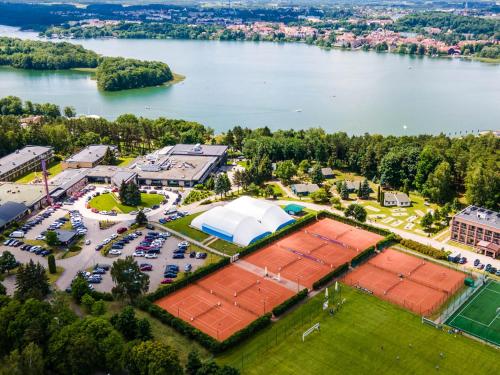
{"type": "Point", "coordinates": [242, 221]}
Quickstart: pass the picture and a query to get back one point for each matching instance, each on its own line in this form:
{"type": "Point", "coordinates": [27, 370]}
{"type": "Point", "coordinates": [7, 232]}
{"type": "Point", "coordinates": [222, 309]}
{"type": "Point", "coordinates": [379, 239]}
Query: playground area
{"type": "Point", "coordinates": [225, 301]}
{"type": "Point", "coordinates": [408, 281]}
{"type": "Point", "coordinates": [309, 254]}
{"type": "Point", "coordinates": [480, 315]}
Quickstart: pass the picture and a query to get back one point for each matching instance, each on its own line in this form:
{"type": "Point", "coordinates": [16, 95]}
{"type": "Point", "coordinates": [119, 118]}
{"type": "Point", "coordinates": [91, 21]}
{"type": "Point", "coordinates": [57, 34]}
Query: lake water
{"type": "Point", "coordinates": [282, 86]}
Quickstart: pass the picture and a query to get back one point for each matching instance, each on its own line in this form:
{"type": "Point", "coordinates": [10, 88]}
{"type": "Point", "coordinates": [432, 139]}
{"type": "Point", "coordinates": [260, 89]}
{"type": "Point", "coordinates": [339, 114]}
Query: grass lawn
{"type": "Point", "coordinates": [107, 202]}
{"type": "Point", "coordinates": [197, 195]}
{"type": "Point", "coordinates": [124, 161]}
{"type": "Point", "coordinates": [225, 247]}
{"type": "Point", "coordinates": [368, 335]}
{"type": "Point", "coordinates": [54, 276]}
{"type": "Point", "coordinates": [278, 190]}
{"type": "Point", "coordinates": [182, 226]}
{"type": "Point", "coordinates": [53, 169]}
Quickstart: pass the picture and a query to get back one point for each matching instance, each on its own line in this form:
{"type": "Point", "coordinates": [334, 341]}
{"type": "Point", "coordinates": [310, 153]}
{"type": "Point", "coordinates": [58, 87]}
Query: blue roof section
{"type": "Point", "coordinates": [294, 208]}
{"type": "Point", "coordinates": [265, 234]}
{"type": "Point", "coordinates": [217, 232]}
{"type": "Point", "coordinates": [285, 224]}
{"type": "Point", "coordinates": [10, 211]}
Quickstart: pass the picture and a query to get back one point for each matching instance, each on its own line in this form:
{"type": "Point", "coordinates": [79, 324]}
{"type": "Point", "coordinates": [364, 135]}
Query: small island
{"type": "Point", "coordinates": [112, 73]}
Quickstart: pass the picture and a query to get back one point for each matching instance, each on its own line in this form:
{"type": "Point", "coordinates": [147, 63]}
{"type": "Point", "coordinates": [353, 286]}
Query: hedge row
{"type": "Point", "coordinates": [327, 278]}
{"type": "Point", "coordinates": [424, 249]}
{"type": "Point", "coordinates": [280, 309]}
{"type": "Point", "coordinates": [362, 256]}
{"type": "Point", "coordinates": [277, 235]}
{"type": "Point", "coordinates": [346, 220]}
{"type": "Point", "coordinates": [101, 296]}
{"type": "Point", "coordinates": [389, 240]}
{"type": "Point", "coordinates": [196, 275]}
{"type": "Point", "coordinates": [205, 340]}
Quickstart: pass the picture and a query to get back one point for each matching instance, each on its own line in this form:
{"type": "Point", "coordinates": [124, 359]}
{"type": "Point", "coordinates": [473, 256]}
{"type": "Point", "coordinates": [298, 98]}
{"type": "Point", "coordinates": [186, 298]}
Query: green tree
{"type": "Point", "coordinates": [98, 308]}
{"type": "Point", "coordinates": [79, 288]}
{"type": "Point", "coordinates": [319, 196]}
{"type": "Point", "coordinates": [364, 190]}
{"type": "Point", "coordinates": [378, 193]}
{"type": "Point", "coordinates": [193, 363]}
{"type": "Point", "coordinates": [427, 221]}
{"type": "Point", "coordinates": [51, 261]}
{"type": "Point", "coordinates": [153, 358]}
{"type": "Point", "coordinates": [30, 361]}
{"type": "Point", "coordinates": [69, 112]}
{"type": "Point", "coordinates": [222, 184]}
{"type": "Point", "coordinates": [3, 290]}
{"type": "Point", "coordinates": [285, 171]}
{"type": "Point", "coordinates": [482, 184]}
{"type": "Point", "coordinates": [439, 185]}
{"type": "Point", "coordinates": [344, 191]}
{"type": "Point", "coordinates": [144, 331]}
{"type": "Point", "coordinates": [126, 323]}
{"type": "Point", "coordinates": [356, 211]}
{"type": "Point", "coordinates": [51, 238]}
{"type": "Point", "coordinates": [304, 166]}
{"type": "Point", "coordinates": [130, 194]}
{"type": "Point", "coordinates": [7, 262]}
{"type": "Point", "coordinates": [141, 218]}
{"type": "Point", "coordinates": [31, 282]}
{"type": "Point", "coordinates": [109, 157]}
{"type": "Point", "coordinates": [88, 302]}
{"type": "Point", "coordinates": [129, 281]}
{"type": "Point", "coordinates": [316, 174]}
{"type": "Point", "coordinates": [269, 191]}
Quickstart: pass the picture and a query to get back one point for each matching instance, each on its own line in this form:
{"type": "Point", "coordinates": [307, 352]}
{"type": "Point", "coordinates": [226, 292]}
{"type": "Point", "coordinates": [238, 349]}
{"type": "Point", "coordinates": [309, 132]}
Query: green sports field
{"type": "Point", "coordinates": [367, 336]}
{"type": "Point", "coordinates": [480, 315]}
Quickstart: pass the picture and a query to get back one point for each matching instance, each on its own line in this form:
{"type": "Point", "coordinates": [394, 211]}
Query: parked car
{"type": "Point", "coordinates": [170, 275]}
{"type": "Point", "coordinates": [178, 256]}
{"type": "Point", "coordinates": [146, 267]}
{"type": "Point", "coordinates": [151, 255]}
{"type": "Point", "coordinates": [115, 252]}
{"type": "Point", "coordinates": [87, 242]}
{"type": "Point", "coordinates": [201, 255]}
{"type": "Point", "coordinates": [138, 253]}
{"type": "Point", "coordinates": [121, 230]}
{"type": "Point", "coordinates": [99, 247]}
{"type": "Point", "coordinates": [167, 281]}
{"type": "Point", "coordinates": [188, 267]}
{"type": "Point", "coordinates": [476, 262]}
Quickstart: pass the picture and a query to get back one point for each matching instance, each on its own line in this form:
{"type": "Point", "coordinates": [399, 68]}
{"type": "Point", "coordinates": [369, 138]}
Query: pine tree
{"type": "Point", "coordinates": [31, 281]}
{"type": "Point", "coordinates": [364, 190]}
{"type": "Point", "coordinates": [344, 191]}
{"type": "Point", "coordinates": [316, 174]}
{"type": "Point", "coordinates": [51, 261]}
{"type": "Point", "coordinates": [378, 193]}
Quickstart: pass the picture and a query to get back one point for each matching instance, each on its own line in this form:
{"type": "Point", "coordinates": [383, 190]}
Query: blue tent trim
{"type": "Point", "coordinates": [265, 234]}
{"type": "Point", "coordinates": [286, 224]}
{"type": "Point", "coordinates": [217, 232]}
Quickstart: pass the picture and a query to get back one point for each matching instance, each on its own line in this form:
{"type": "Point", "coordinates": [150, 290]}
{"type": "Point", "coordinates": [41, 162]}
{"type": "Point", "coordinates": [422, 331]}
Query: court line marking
{"type": "Point", "coordinates": [465, 307]}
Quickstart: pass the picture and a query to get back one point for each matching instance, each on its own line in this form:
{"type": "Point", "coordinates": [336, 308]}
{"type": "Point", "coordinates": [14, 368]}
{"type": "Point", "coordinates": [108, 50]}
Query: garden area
{"type": "Point", "coordinates": [108, 202]}
{"type": "Point", "coordinates": [197, 195]}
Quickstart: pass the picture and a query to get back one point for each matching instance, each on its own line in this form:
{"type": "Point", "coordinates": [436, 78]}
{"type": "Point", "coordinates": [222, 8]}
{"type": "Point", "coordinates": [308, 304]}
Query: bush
{"type": "Point", "coordinates": [424, 249]}
{"type": "Point", "coordinates": [280, 309]}
{"type": "Point", "coordinates": [197, 195]}
{"type": "Point", "coordinates": [329, 277]}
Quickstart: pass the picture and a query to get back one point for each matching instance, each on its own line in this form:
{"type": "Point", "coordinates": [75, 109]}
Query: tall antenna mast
{"type": "Point", "coordinates": [46, 183]}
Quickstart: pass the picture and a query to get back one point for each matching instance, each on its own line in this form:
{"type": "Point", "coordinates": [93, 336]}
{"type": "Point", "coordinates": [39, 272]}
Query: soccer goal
{"type": "Point", "coordinates": [309, 331]}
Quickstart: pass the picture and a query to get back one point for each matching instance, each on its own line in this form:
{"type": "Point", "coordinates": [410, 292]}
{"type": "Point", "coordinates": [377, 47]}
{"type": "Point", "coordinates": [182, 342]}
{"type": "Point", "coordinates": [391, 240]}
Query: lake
{"type": "Point", "coordinates": [281, 86]}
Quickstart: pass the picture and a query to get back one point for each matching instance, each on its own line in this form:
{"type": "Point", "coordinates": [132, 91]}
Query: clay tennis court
{"type": "Point", "coordinates": [358, 239]}
{"type": "Point", "coordinates": [225, 301]}
{"type": "Point", "coordinates": [309, 254]}
{"type": "Point", "coordinates": [408, 281]}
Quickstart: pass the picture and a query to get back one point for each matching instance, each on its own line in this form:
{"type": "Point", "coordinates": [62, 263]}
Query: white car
{"type": "Point", "coordinates": [87, 242]}
{"type": "Point", "coordinates": [151, 256]}
{"type": "Point", "coordinates": [40, 237]}
{"type": "Point", "coordinates": [138, 253]}
{"type": "Point", "coordinates": [106, 241]}
{"type": "Point", "coordinates": [147, 209]}
{"type": "Point", "coordinates": [115, 252]}
{"type": "Point", "coordinates": [113, 236]}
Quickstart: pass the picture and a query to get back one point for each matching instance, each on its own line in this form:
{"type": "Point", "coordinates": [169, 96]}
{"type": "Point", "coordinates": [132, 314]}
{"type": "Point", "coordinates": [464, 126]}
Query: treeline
{"type": "Point", "coordinates": [29, 54]}
{"type": "Point", "coordinates": [113, 73]}
{"type": "Point", "coordinates": [439, 167]}
{"type": "Point", "coordinates": [483, 28]}
{"type": "Point", "coordinates": [68, 134]}
{"type": "Point", "coordinates": [117, 73]}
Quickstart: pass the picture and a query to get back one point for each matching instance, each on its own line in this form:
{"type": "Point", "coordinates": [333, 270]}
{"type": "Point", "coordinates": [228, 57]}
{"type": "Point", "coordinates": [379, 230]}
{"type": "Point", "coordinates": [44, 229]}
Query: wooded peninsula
{"type": "Point", "coordinates": [112, 73]}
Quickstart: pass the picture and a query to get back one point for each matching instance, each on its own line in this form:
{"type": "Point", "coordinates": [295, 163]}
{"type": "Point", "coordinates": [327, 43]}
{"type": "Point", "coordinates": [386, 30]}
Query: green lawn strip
{"type": "Point", "coordinates": [181, 225]}
{"type": "Point", "coordinates": [53, 169]}
{"type": "Point", "coordinates": [368, 335]}
{"type": "Point", "coordinates": [124, 161]}
{"type": "Point", "coordinates": [225, 247]}
{"type": "Point", "coordinates": [197, 195]}
{"type": "Point", "coordinates": [278, 191]}
{"type": "Point", "coordinates": [108, 202]}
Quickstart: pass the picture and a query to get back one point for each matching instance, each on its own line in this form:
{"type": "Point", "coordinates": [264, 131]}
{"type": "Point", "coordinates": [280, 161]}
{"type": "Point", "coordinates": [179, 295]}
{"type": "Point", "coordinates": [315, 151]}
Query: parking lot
{"type": "Point", "coordinates": [88, 257]}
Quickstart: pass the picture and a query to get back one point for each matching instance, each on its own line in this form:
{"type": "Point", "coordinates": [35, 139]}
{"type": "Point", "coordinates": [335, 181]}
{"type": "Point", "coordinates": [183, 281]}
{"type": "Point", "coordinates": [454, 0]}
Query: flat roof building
{"type": "Point", "coordinates": [11, 211]}
{"type": "Point", "coordinates": [23, 161]}
{"type": "Point", "coordinates": [88, 157]}
{"type": "Point", "coordinates": [304, 189]}
{"type": "Point", "coordinates": [477, 227]}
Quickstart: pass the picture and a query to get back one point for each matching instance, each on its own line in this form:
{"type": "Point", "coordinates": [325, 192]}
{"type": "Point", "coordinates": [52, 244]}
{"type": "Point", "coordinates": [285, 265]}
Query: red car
{"type": "Point", "coordinates": [146, 267]}
{"type": "Point", "coordinates": [167, 281]}
{"type": "Point", "coordinates": [121, 230]}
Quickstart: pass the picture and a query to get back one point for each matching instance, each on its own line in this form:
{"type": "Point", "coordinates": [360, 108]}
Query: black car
{"type": "Point", "coordinates": [192, 254]}
{"type": "Point", "coordinates": [170, 275]}
{"type": "Point", "coordinates": [105, 267]}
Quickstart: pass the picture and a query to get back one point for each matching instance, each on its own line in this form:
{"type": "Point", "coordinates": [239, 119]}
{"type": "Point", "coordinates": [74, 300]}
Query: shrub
{"type": "Point", "coordinates": [280, 309]}
{"type": "Point", "coordinates": [424, 249]}
{"type": "Point", "coordinates": [329, 277]}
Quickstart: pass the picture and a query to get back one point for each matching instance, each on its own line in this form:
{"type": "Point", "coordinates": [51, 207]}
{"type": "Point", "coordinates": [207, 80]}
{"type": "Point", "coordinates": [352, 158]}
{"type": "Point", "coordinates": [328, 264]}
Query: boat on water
{"type": "Point", "coordinates": [298, 110]}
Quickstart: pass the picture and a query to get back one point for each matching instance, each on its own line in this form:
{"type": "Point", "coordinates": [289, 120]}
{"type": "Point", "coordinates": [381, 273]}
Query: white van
{"type": "Point", "coordinates": [17, 234]}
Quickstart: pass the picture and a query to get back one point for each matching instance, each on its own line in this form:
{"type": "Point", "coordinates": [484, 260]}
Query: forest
{"type": "Point", "coordinates": [113, 73]}
{"type": "Point", "coordinates": [117, 73]}
{"type": "Point", "coordinates": [440, 167]}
